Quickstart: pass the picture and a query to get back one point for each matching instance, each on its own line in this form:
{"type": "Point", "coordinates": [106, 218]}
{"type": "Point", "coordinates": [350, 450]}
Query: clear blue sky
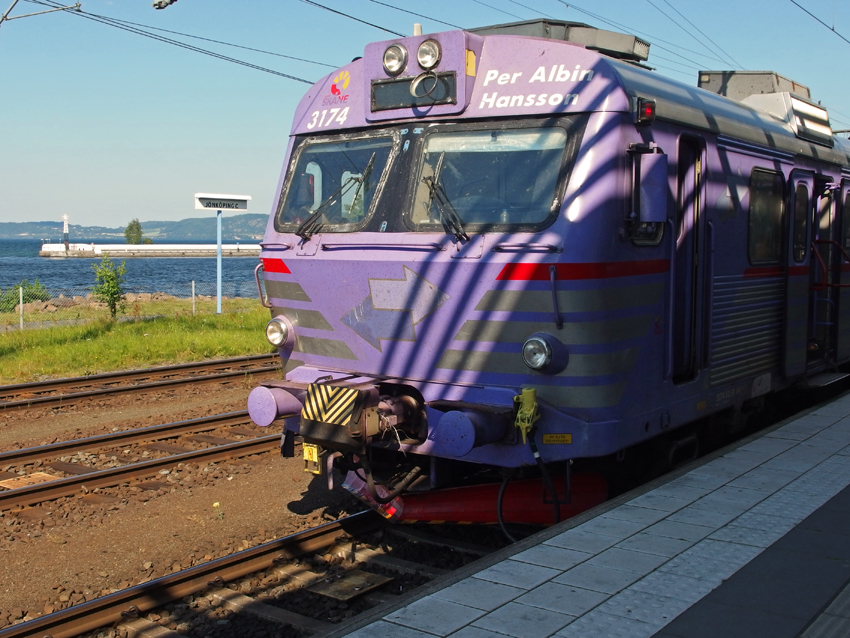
{"type": "Point", "coordinates": [108, 126]}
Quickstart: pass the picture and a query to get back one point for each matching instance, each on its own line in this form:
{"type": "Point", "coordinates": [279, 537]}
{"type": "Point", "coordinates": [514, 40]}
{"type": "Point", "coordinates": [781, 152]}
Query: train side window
{"type": "Point", "coordinates": [845, 217]}
{"type": "Point", "coordinates": [765, 217]}
{"type": "Point", "coordinates": [801, 208]}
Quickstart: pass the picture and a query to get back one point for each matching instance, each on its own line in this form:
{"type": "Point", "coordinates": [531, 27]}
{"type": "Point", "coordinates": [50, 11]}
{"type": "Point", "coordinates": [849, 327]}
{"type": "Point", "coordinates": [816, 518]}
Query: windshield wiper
{"type": "Point", "coordinates": [362, 180]}
{"type": "Point", "coordinates": [437, 194]}
{"type": "Point", "coordinates": [305, 230]}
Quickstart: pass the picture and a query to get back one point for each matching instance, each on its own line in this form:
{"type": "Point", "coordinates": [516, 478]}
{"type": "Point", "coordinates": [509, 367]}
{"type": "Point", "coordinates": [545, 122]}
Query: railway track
{"type": "Point", "coordinates": [342, 564]}
{"type": "Point", "coordinates": [129, 603]}
{"type": "Point", "coordinates": [152, 433]}
{"type": "Point", "coordinates": [69, 486]}
{"type": "Point", "coordinates": [88, 478]}
{"type": "Point", "coordinates": [68, 391]}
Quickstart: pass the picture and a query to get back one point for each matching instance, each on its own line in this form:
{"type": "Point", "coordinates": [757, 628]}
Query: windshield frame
{"type": "Point", "coordinates": [569, 126]}
{"type": "Point", "coordinates": [304, 142]}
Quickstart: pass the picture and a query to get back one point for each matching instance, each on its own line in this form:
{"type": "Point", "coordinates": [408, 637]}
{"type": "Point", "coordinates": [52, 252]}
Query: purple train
{"type": "Point", "coordinates": [499, 251]}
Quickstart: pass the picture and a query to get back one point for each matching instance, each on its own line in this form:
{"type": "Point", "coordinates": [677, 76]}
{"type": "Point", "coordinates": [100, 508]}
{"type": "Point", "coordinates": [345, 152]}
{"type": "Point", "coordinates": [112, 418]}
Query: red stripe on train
{"type": "Point", "coordinates": [275, 265]}
{"type": "Point", "coordinates": [600, 270]}
{"type": "Point", "coordinates": [776, 271]}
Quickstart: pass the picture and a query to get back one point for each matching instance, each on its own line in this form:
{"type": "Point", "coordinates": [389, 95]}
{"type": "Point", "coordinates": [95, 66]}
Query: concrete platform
{"type": "Point", "coordinates": [752, 541]}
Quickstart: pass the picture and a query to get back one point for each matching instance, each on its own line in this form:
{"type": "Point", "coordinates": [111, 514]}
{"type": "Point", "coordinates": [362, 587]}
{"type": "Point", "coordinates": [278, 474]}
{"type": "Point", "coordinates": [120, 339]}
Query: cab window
{"type": "Point", "coordinates": [333, 184]}
{"type": "Point", "coordinates": [485, 179]}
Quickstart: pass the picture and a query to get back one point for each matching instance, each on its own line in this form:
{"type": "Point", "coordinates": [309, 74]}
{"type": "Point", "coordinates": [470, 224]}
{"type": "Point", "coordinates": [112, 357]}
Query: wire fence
{"type": "Point", "coordinates": [43, 306]}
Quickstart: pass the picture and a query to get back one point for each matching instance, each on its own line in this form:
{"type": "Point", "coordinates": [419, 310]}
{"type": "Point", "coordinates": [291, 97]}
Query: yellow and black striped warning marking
{"type": "Point", "coordinates": [330, 404]}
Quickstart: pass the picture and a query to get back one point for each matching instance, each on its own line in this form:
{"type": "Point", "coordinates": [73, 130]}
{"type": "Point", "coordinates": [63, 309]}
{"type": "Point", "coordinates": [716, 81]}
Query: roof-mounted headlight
{"type": "Point", "coordinates": [428, 54]}
{"type": "Point", "coordinates": [278, 332]}
{"type": "Point", "coordinates": [544, 353]}
{"type": "Point", "coordinates": [395, 59]}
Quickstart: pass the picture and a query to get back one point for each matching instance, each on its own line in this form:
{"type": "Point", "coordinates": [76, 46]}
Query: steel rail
{"type": "Point", "coordinates": [51, 490]}
{"type": "Point", "coordinates": [68, 399]}
{"type": "Point", "coordinates": [133, 601]}
{"type": "Point", "coordinates": [150, 433]}
{"type": "Point", "coordinates": [128, 375]}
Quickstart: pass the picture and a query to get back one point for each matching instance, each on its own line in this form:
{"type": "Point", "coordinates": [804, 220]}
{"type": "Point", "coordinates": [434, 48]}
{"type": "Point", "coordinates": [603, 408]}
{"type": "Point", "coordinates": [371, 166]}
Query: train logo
{"type": "Point", "coordinates": [342, 79]}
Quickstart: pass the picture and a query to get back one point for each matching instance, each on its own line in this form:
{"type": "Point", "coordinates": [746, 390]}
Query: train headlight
{"type": "Point", "coordinates": [428, 54]}
{"type": "Point", "coordinates": [544, 353]}
{"type": "Point", "coordinates": [536, 353]}
{"type": "Point", "coordinates": [277, 332]}
{"type": "Point", "coordinates": [395, 59]}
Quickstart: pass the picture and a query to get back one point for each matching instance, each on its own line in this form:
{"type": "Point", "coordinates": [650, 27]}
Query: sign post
{"type": "Point", "coordinates": [217, 202]}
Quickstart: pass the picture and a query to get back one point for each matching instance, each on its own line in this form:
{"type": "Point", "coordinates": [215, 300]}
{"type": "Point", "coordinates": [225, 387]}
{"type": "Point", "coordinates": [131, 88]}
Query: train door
{"type": "Point", "coordinates": [687, 294]}
{"type": "Point", "coordinates": [843, 338]}
{"type": "Point", "coordinates": [825, 275]}
{"type": "Point", "coordinates": [797, 275]}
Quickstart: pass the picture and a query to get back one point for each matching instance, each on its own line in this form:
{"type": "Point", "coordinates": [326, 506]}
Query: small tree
{"type": "Point", "coordinates": [109, 286]}
{"type": "Point", "coordinates": [133, 232]}
{"type": "Point", "coordinates": [32, 292]}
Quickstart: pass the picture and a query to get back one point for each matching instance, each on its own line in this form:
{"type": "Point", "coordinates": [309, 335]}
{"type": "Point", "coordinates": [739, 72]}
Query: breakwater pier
{"type": "Point", "coordinates": [147, 250]}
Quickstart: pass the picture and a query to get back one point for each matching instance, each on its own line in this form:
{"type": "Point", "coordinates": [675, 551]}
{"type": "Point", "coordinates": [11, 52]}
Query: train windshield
{"type": "Point", "coordinates": [476, 180]}
{"type": "Point", "coordinates": [333, 185]}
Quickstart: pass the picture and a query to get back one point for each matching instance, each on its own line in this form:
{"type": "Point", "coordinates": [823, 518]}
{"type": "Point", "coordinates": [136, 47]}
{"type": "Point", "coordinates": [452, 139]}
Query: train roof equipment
{"type": "Point", "coordinates": [615, 45]}
{"type": "Point", "coordinates": [758, 107]}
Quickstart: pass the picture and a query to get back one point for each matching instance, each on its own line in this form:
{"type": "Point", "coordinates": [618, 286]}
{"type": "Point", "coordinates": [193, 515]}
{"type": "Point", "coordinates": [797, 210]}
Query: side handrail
{"type": "Point", "coordinates": [259, 287]}
{"type": "Point", "coordinates": [382, 246]}
{"type": "Point", "coordinates": [553, 277]}
{"type": "Point", "coordinates": [531, 248]}
{"type": "Point", "coordinates": [824, 285]}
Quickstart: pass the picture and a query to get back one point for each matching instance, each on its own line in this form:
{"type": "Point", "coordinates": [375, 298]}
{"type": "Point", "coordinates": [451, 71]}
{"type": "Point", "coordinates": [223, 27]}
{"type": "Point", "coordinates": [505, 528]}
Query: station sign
{"type": "Point", "coordinates": [216, 201]}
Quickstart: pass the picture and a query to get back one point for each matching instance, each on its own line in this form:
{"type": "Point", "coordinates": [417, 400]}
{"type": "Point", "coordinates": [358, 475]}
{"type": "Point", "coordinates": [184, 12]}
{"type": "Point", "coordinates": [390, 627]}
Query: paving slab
{"type": "Point", "coordinates": [752, 542]}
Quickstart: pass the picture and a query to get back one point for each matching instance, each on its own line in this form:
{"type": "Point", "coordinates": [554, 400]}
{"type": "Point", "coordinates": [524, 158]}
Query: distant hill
{"type": "Point", "coordinates": [248, 228]}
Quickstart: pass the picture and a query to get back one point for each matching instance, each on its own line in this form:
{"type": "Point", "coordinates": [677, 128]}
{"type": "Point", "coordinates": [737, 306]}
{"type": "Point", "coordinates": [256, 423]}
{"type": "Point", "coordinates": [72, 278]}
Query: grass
{"type": "Point", "coordinates": [64, 310]}
{"type": "Point", "coordinates": [105, 346]}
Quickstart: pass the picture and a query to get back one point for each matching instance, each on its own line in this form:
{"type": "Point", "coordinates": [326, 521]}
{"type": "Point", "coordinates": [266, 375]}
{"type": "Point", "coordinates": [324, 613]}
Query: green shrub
{"type": "Point", "coordinates": [109, 287]}
{"type": "Point", "coordinates": [32, 292]}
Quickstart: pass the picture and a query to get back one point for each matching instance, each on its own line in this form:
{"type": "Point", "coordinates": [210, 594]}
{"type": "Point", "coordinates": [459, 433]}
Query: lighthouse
{"type": "Point", "coordinates": [65, 232]}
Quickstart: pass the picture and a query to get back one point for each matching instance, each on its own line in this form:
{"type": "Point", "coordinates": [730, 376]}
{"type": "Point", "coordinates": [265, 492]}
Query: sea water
{"type": "Point", "coordinates": [19, 260]}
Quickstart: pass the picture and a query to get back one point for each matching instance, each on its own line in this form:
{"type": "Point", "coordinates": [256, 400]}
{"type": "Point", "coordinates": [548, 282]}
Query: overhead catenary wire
{"type": "Point", "coordinates": [672, 70]}
{"type": "Point", "coordinates": [227, 44]}
{"type": "Point", "coordinates": [413, 13]}
{"type": "Point", "coordinates": [674, 21]}
{"type": "Point", "coordinates": [490, 6]}
{"type": "Point", "coordinates": [524, 6]}
{"type": "Point", "coordinates": [703, 34]}
{"type": "Point", "coordinates": [682, 64]}
{"type": "Point", "coordinates": [655, 40]}
{"type": "Point", "coordinates": [109, 22]}
{"type": "Point", "coordinates": [812, 15]}
{"type": "Point", "coordinates": [351, 17]}
{"type": "Point", "coordinates": [794, 2]}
